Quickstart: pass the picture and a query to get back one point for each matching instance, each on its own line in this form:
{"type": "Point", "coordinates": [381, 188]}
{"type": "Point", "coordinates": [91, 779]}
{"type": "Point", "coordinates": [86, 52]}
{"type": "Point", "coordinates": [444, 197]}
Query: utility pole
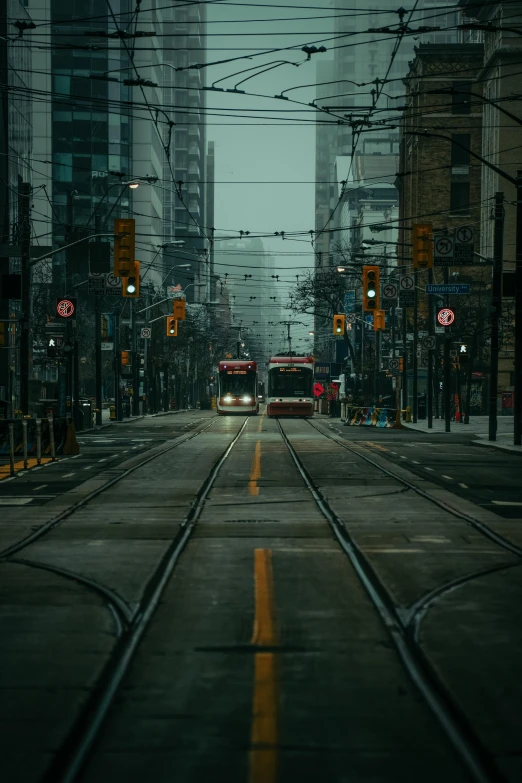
{"type": "Point", "coordinates": [97, 359]}
{"type": "Point", "coordinates": [496, 312]}
{"type": "Point", "coordinates": [404, 359]}
{"type": "Point", "coordinates": [24, 213]}
{"type": "Point", "coordinates": [517, 425]}
{"type": "Point", "coordinates": [415, 342]}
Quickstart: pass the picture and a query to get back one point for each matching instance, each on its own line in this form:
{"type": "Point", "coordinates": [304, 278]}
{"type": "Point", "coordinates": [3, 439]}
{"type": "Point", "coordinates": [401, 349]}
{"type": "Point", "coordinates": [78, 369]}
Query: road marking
{"type": "Point", "coordinates": [403, 457]}
{"type": "Point", "coordinates": [376, 446]}
{"type": "Point", "coordinates": [464, 486]}
{"type": "Point", "coordinates": [264, 730]}
{"type": "Point", "coordinates": [103, 460]}
{"type": "Point", "coordinates": [393, 452]}
{"type": "Point", "coordinates": [68, 475]}
{"type": "Point", "coordinates": [449, 478]}
{"type": "Point", "coordinates": [5, 469]}
{"type": "Point", "coordinates": [255, 472]}
{"type": "Point", "coordinates": [415, 462]}
{"type": "Point", "coordinates": [89, 467]}
{"type": "Point", "coordinates": [260, 428]}
{"type": "Point", "coordinates": [42, 486]}
{"type": "Point", "coordinates": [429, 469]}
{"type": "Point", "coordinates": [14, 501]}
{"type": "Point", "coordinates": [507, 502]}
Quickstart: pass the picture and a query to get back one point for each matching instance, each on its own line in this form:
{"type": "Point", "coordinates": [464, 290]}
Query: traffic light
{"type": "Point", "coordinates": [172, 327]}
{"type": "Point", "coordinates": [401, 364]}
{"type": "Point", "coordinates": [422, 245]}
{"type": "Point", "coordinates": [124, 246]}
{"type": "Point", "coordinates": [338, 325]}
{"type": "Point", "coordinates": [371, 288]}
{"type": "Point", "coordinates": [178, 309]}
{"type": "Point", "coordinates": [125, 358]}
{"type": "Point", "coordinates": [130, 286]}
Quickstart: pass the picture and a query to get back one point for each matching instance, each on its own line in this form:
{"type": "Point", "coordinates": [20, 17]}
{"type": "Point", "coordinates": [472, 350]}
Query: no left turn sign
{"type": "Point", "coordinates": [390, 291]}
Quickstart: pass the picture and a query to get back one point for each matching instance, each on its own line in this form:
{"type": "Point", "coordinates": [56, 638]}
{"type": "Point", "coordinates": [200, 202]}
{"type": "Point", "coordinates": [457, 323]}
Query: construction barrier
{"type": "Point", "coordinates": [27, 442]}
{"type": "Point", "coordinates": [371, 417]}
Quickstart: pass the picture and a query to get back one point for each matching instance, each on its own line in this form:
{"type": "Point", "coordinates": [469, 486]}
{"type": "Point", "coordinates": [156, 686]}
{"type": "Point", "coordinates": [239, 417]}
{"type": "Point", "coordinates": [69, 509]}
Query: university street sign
{"type": "Point", "coordinates": [448, 288]}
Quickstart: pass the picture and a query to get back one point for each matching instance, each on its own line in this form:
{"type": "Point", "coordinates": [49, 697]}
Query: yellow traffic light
{"type": "Point", "coordinates": [125, 358]}
{"type": "Point", "coordinates": [178, 309]}
{"type": "Point", "coordinates": [371, 288]}
{"type": "Point", "coordinates": [379, 320]}
{"type": "Point", "coordinates": [130, 286]}
{"type": "Point", "coordinates": [172, 327]}
{"type": "Point", "coordinates": [401, 364]}
{"type": "Point", "coordinates": [124, 246]}
{"type": "Point", "coordinates": [422, 240]}
{"type": "Point", "coordinates": [338, 325]}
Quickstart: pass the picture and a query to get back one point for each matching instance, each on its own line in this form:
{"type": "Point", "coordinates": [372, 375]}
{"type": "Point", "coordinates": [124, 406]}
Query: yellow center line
{"type": "Point", "coordinates": [264, 731]}
{"type": "Point", "coordinates": [255, 472]}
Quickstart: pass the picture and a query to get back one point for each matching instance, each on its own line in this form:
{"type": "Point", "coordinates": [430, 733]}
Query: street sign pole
{"type": "Point", "coordinates": [415, 343]}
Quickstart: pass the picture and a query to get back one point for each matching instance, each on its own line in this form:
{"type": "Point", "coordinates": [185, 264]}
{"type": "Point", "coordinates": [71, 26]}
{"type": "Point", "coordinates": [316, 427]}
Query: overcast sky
{"type": "Point", "coordinates": [265, 165]}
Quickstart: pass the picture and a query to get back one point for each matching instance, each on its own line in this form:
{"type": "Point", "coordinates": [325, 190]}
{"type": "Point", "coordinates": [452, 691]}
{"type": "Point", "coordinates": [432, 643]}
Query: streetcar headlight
{"type": "Point", "coordinates": [227, 399]}
{"type": "Point", "coordinates": [246, 398]}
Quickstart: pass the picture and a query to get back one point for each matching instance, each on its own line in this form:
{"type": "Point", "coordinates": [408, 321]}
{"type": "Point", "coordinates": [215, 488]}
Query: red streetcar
{"type": "Point", "coordinates": [290, 386]}
{"type": "Point", "coordinates": [237, 389]}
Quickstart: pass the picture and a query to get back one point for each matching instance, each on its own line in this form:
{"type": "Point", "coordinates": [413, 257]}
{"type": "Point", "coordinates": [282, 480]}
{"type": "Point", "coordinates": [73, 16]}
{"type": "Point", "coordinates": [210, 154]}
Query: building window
{"type": "Point", "coordinates": [459, 198]}
{"type": "Point", "coordinates": [460, 103]}
{"type": "Point", "coordinates": [460, 150]}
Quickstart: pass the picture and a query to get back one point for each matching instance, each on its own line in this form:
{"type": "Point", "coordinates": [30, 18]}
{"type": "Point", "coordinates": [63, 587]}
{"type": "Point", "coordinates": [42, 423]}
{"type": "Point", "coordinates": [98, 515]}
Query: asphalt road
{"type": "Point", "coordinates": [491, 479]}
{"type": "Point", "coordinates": [254, 651]}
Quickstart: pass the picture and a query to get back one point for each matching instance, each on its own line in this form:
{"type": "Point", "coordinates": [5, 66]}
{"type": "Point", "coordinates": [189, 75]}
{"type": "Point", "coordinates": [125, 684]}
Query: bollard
{"type": "Point", "coordinates": [112, 414]}
{"type": "Point", "coordinates": [50, 419]}
{"type": "Point", "coordinates": [408, 413]}
{"type": "Point", "coordinates": [398, 422]}
{"type": "Point", "coordinates": [38, 441]}
{"type": "Point", "coordinates": [24, 439]}
{"type": "Point", "coordinates": [11, 448]}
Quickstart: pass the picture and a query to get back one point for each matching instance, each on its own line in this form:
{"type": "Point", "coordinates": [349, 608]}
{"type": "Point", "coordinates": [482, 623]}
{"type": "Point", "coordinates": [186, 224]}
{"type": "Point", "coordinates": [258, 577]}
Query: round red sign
{"type": "Point", "coordinates": [65, 308]}
{"type": "Point", "coordinates": [445, 316]}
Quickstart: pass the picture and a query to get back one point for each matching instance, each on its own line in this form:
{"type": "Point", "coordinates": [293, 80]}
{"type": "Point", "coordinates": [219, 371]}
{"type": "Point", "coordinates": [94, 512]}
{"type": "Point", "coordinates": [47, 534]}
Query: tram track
{"type": "Point", "coordinates": [22, 543]}
{"type": "Point", "coordinates": [404, 628]}
{"type": "Point", "coordinates": [73, 754]}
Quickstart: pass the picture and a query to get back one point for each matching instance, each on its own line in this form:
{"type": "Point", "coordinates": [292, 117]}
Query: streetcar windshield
{"type": "Point", "coordinates": [237, 382]}
{"type": "Point", "coordinates": [290, 382]}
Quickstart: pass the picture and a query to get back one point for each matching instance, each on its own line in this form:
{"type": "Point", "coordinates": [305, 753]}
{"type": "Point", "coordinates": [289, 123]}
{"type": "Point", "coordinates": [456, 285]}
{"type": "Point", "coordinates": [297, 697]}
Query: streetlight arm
{"type": "Point", "coordinates": [64, 247]}
{"type": "Point", "coordinates": [491, 166]}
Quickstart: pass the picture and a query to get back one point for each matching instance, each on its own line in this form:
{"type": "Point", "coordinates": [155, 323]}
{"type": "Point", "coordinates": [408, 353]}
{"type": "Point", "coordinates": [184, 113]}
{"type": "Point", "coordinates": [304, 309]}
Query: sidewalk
{"type": "Point", "coordinates": [477, 428]}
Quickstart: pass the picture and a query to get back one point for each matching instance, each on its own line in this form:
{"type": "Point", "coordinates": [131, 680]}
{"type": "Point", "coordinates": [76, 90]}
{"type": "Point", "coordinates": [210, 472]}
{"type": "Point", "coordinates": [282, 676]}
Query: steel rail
{"type": "Point", "coordinates": [68, 764]}
{"type": "Point", "coordinates": [44, 529]}
{"type": "Point", "coordinates": [461, 735]}
{"type": "Point", "coordinates": [481, 527]}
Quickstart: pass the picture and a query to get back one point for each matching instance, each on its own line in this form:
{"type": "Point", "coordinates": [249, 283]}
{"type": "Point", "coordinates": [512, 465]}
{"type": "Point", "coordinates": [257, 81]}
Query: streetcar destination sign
{"type": "Point", "coordinates": [448, 288]}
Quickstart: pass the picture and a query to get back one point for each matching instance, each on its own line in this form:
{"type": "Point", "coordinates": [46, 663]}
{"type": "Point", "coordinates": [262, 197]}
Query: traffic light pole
{"type": "Point", "coordinates": [415, 342]}
{"type": "Point", "coordinates": [404, 360]}
{"type": "Point", "coordinates": [117, 363]}
{"type": "Point", "coordinates": [496, 312]}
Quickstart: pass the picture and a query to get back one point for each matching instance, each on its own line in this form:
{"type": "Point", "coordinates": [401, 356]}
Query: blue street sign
{"type": "Point", "coordinates": [349, 302]}
{"type": "Point", "coordinates": [456, 288]}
